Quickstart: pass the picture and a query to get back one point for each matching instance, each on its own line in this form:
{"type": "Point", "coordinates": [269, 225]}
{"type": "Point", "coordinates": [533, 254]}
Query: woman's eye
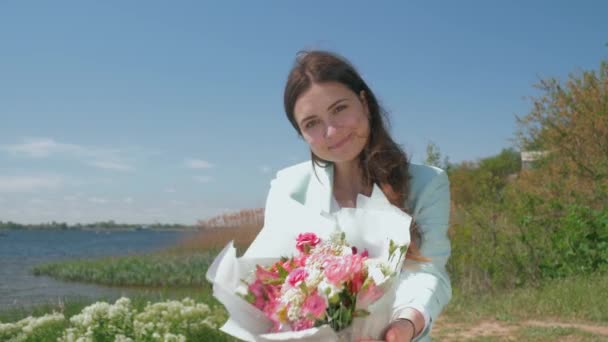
{"type": "Point", "coordinates": [339, 108]}
{"type": "Point", "coordinates": [310, 124]}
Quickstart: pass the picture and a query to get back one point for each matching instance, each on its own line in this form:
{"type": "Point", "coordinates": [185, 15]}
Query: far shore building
{"type": "Point", "coordinates": [528, 158]}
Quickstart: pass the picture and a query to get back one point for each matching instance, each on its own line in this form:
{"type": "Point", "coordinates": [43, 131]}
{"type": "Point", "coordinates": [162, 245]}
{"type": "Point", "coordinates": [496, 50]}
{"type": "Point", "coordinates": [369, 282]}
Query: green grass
{"type": "Point", "coordinates": [161, 269]}
{"type": "Point", "coordinates": [579, 298]}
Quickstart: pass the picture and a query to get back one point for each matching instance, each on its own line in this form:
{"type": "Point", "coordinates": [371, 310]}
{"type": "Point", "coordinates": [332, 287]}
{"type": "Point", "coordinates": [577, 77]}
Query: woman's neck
{"type": "Point", "coordinates": [348, 183]}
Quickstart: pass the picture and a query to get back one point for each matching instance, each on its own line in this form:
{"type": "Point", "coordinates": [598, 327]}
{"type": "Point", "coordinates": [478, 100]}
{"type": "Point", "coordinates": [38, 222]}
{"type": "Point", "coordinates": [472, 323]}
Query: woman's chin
{"type": "Point", "coordinates": [343, 158]}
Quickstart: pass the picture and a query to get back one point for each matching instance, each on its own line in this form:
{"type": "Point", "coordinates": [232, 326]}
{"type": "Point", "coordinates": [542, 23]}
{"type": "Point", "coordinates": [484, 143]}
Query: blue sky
{"type": "Point", "coordinates": [157, 111]}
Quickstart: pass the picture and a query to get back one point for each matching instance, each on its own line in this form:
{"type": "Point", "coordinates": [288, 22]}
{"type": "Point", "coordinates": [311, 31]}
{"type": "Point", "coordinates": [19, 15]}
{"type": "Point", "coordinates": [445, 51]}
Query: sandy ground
{"type": "Point", "coordinates": [508, 331]}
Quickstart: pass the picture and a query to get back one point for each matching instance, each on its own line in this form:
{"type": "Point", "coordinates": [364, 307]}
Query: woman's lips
{"type": "Point", "coordinates": [340, 143]}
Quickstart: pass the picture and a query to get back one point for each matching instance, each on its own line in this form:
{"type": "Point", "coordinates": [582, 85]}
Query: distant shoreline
{"type": "Point", "coordinates": [101, 228]}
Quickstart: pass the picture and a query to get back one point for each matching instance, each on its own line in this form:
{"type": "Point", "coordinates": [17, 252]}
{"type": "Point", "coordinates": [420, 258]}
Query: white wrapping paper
{"type": "Point", "coordinates": [370, 227]}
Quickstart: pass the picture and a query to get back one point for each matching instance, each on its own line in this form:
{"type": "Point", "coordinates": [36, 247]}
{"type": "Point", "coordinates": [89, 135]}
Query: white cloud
{"type": "Point", "coordinates": [202, 179]}
{"type": "Point", "coordinates": [265, 169]}
{"type": "Point", "coordinates": [41, 148]}
{"type": "Point", "coordinates": [198, 164]}
{"type": "Point", "coordinates": [105, 158]}
{"type": "Point", "coordinates": [29, 183]}
{"type": "Point", "coordinates": [128, 200]}
{"type": "Point", "coordinates": [98, 200]}
{"type": "Point", "coordinates": [110, 165]}
{"type": "Point", "coordinates": [170, 190]}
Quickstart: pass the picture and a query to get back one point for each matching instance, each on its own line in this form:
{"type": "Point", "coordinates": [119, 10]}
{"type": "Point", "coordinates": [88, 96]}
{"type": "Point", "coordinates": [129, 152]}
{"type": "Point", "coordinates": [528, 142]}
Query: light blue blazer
{"type": "Point", "coordinates": [299, 200]}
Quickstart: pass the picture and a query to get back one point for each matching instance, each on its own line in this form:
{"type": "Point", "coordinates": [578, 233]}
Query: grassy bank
{"type": "Point", "coordinates": [184, 265]}
{"type": "Point", "coordinates": [162, 269]}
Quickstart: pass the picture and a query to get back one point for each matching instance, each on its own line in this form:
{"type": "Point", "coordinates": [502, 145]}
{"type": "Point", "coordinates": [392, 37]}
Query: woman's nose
{"type": "Point", "coordinates": [331, 131]}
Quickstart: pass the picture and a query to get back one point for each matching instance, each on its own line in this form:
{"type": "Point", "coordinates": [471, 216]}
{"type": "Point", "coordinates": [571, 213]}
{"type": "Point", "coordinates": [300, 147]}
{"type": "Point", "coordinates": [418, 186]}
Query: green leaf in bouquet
{"type": "Point", "coordinates": [367, 283]}
{"type": "Point", "coordinates": [391, 249]}
{"type": "Point", "coordinates": [403, 249]}
{"type": "Point", "coordinates": [304, 288]}
{"type": "Point", "coordinates": [386, 270]}
{"type": "Point", "coordinates": [347, 315]}
{"type": "Point", "coordinates": [249, 297]}
{"type": "Point", "coordinates": [282, 272]}
{"type": "Point", "coordinates": [360, 313]}
{"type": "Point", "coordinates": [277, 281]}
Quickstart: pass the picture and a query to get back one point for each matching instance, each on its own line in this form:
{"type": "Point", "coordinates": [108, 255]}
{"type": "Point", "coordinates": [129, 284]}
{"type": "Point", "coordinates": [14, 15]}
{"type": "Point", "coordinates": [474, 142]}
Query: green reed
{"type": "Point", "coordinates": [162, 269]}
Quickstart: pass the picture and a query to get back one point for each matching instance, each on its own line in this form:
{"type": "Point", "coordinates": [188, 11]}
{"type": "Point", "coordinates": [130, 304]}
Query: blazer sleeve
{"type": "Point", "coordinates": [427, 284]}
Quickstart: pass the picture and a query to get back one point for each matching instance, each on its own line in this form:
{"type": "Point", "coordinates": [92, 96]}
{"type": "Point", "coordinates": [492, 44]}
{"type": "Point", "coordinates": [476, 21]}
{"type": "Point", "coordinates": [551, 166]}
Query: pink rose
{"type": "Point", "coordinates": [303, 324]}
{"type": "Point", "coordinates": [306, 240]}
{"type": "Point", "coordinates": [314, 305]}
{"type": "Point", "coordinates": [300, 261]}
{"type": "Point", "coordinates": [336, 271]}
{"type": "Point", "coordinates": [297, 276]}
{"type": "Point", "coordinates": [340, 269]}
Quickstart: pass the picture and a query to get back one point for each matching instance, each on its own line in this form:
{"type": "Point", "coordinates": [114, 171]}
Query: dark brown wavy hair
{"type": "Point", "coordinates": [382, 161]}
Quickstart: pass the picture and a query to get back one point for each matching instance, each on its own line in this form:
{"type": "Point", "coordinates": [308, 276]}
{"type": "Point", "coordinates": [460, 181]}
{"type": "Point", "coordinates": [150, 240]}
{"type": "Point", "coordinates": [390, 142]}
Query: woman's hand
{"type": "Point", "coordinates": [398, 331]}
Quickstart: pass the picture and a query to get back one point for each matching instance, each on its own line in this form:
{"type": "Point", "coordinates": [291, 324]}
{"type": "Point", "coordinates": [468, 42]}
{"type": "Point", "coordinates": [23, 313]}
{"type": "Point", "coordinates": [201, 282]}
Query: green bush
{"type": "Point", "coordinates": [579, 244]}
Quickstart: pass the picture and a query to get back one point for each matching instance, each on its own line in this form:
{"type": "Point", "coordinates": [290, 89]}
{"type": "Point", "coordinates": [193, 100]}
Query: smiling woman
{"type": "Point", "coordinates": [355, 164]}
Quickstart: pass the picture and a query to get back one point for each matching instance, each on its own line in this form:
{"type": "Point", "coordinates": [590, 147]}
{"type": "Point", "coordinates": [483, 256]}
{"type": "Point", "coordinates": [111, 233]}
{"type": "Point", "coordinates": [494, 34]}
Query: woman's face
{"type": "Point", "coordinates": [333, 121]}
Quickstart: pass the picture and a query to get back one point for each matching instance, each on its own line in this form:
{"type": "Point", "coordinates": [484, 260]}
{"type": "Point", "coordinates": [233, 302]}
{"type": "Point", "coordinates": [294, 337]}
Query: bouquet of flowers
{"type": "Point", "coordinates": [303, 279]}
{"type": "Point", "coordinates": [328, 282]}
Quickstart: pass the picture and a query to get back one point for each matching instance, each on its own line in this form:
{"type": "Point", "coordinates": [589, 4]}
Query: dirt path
{"type": "Point", "coordinates": [505, 331]}
{"type": "Point", "coordinates": [601, 330]}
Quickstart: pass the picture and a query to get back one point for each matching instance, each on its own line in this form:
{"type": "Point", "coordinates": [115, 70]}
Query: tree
{"type": "Point", "coordinates": [570, 121]}
{"type": "Point", "coordinates": [433, 155]}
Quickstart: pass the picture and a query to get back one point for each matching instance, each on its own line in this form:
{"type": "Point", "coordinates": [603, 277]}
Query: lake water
{"type": "Point", "coordinates": [20, 250]}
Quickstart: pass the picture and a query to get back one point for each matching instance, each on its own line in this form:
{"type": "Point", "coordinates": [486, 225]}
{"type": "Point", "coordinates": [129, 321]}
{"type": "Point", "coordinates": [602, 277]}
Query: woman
{"type": "Point", "coordinates": [338, 116]}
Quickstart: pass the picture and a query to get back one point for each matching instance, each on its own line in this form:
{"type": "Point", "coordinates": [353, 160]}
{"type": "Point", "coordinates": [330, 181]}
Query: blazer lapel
{"type": "Point", "coordinates": [319, 191]}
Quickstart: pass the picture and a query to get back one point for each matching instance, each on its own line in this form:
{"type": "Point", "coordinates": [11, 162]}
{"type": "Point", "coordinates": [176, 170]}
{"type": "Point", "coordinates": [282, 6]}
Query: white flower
{"type": "Point", "coordinates": [28, 327]}
{"type": "Point", "coordinates": [315, 276]}
{"type": "Point", "coordinates": [327, 289]}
